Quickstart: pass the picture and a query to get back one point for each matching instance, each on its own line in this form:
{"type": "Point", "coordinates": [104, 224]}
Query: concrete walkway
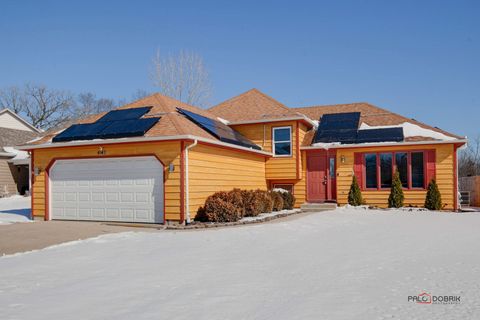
{"type": "Point", "coordinates": [21, 237]}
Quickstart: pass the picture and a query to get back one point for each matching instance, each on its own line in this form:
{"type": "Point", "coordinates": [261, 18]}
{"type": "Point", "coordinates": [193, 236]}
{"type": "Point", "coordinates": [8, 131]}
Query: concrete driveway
{"type": "Point", "coordinates": [21, 237]}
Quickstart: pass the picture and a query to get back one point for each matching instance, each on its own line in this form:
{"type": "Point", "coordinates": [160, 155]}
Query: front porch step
{"type": "Point", "coordinates": [315, 207]}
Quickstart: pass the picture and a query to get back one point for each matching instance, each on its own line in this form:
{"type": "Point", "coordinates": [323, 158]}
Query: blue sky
{"type": "Point", "coordinates": [417, 58]}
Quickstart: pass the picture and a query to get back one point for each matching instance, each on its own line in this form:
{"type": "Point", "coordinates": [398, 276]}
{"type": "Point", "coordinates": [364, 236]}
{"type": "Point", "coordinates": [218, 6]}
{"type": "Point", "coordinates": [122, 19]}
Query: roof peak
{"type": "Point", "coordinates": [252, 105]}
{"type": "Point", "coordinates": [336, 104]}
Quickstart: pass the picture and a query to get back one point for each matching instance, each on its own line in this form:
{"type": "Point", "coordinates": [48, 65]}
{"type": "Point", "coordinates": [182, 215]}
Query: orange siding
{"type": "Point", "coordinates": [168, 152]}
{"type": "Point", "coordinates": [261, 134]}
{"type": "Point", "coordinates": [444, 174]}
{"type": "Point", "coordinates": [299, 186]}
{"type": "Point", "coordinates": [214, 169]}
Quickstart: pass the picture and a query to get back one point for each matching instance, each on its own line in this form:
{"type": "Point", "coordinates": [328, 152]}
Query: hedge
{"type": "Point", "coordinates": [233, 205]}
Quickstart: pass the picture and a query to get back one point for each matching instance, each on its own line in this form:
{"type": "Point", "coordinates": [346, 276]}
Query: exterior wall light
{"type": "Point", "coordinates": [342, 158]}
{"type": "Point", "coordinates": [171, 167]}
{"type": "Point", "coordinates": [101, 151]}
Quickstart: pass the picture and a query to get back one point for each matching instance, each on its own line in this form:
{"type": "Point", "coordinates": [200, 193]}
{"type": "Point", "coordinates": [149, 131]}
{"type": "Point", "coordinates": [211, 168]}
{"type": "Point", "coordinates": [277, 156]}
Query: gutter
{"type": "Point", "coordinates": [140, 139]}
{"type": "Point", "coordinates": [7, 154]}
{"type": "Point", "coordinates": [186, 185]}
{"type": "Point", "coordinates": [382, 144]}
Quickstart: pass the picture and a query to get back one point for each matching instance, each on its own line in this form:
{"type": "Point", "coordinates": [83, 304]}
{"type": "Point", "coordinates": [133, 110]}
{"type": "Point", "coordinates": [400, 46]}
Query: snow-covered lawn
{"type": "Point", "coordinates": [343, 264]}
{"type": "Point", "coordinates": [14, 209]}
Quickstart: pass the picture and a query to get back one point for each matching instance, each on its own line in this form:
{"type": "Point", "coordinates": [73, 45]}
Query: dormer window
{"type": "Point", "coordinates": [282, 141]}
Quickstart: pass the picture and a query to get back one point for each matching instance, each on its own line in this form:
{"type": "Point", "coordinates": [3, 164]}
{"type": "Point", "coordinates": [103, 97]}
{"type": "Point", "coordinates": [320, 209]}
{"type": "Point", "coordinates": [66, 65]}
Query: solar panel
{"type": "Point", "coordinates": [127, 128]}
{"type": "Point", "coordinates": [343, 136]}
{"type": "Point", "coordinates": [340, 121]}
{"type": "Point", "coordinates": [380, 135]}
{"type": "Point", "coordinates": [338, 127]}
{"type": "Point", "coordinates": [87, 131]}
{"type": "Point", "coordinates": [219, 130]}
{"type": "Point", "coordinates": [128, 124]}
{"type": "Point", "coordinates": [125, 114]}
{"type": "Point", "coordinates": [343, 128]}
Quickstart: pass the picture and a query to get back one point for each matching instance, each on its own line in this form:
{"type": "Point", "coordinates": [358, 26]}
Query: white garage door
{"type": "Point", "coordinates": [108, 189]}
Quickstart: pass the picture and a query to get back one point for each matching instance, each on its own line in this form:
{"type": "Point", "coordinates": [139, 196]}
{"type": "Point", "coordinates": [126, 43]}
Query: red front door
{"type": "Point", "coordinates": [316, 176]}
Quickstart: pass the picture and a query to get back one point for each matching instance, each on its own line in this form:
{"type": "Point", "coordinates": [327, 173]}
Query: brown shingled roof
{"type": "Point", "coordinates": [12, 137]}
{"type": "Point", "coordinates": [252, 105]}
{"type": "Point", "coordinates": [171, 123]}
{"type": "Point", "coordinates": [370, 114]}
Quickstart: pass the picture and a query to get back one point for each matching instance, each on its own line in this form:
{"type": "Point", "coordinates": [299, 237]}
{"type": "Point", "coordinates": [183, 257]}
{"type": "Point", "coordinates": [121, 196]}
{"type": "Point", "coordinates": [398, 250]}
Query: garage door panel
{"type": "Point", "coordinates": [109, 189]}
{"type": "Point", "coordinates": [98, 213]}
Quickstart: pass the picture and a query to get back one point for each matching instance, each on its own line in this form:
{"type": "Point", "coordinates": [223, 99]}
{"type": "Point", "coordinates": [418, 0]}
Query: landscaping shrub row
{"type": "Point", "coordinates": [433, 198]}
{"type": "Point", "coordinates": [233, 205]}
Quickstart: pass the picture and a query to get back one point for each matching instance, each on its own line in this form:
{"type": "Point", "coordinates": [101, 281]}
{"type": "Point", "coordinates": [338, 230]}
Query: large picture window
{"type": "Point", "coordinates": [282, 141]}
{"type": "Point", "coordinates": [386, 166]}
{"type": "Point", "coordinates": [418, 173]}
{"type": "Point", "coordinates": [401, 161]}
{"type": "Point", "coordinates": [380, 167]}
{"type": "Point", "coordinates": [371, 170]}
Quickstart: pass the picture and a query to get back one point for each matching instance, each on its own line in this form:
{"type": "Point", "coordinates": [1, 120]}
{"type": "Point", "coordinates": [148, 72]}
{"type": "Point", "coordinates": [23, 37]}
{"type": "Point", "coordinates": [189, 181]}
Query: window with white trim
{"type": "Point", "coordinates": [282, 141]}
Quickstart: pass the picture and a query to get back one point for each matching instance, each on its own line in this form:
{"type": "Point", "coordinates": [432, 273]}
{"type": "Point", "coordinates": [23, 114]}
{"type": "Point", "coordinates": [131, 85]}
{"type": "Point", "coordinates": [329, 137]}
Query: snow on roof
{"type": "Point", "coordinates": [326, 145]}
{"type": "Point", "coordinates": [412, 130]}
{"type": "Point", "coordinates": [224, 121]}
{"type": "Point", "coordinates": [21, 157]}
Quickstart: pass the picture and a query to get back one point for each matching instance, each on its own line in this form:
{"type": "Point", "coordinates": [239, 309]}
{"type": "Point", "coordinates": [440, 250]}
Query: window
{"type": "Point", "coordinates": [371, 170]}
{"type": "Point", "coordinates": [386, 166]}
{"type": "Point", "coordinates": [282, 141]}
{"type": "Point", "coordinates": [417, 170]}
{"type": "Point", "coordinates": [380, 167]}
{"type": "Point", "coordinates": [332, 168]}
{"type": "Point", "coordinates": [401, 161]}
{"type": "Point", "coordinates": [284, 186]}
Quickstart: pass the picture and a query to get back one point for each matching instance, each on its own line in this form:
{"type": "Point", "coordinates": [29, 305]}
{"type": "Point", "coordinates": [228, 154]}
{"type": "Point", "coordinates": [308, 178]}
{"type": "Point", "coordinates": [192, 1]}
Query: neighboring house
{"type": "Point", "coordinates": [157, 159]}
{"type": "Point", "coordinates": [14, 164]}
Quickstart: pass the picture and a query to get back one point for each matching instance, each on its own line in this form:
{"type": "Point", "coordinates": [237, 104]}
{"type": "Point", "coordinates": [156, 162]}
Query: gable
{"type": "Point", "coordinates": [9, 121]}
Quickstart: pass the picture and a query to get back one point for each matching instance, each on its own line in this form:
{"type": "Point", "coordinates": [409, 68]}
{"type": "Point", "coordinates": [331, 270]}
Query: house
{"type": "Point", "coordinates": [157, 159]}
{"type": "Point", "coordinates": [14, 164]}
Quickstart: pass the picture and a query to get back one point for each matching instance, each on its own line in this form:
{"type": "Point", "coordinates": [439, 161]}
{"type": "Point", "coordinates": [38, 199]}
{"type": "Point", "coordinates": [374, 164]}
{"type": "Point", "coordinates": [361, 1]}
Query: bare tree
{"type": "Point", "coordinates": [45, 107]}
{"type": "Point", "coordinates": [183, 77]}
{"type": "Point", "coordinates": [12, 98]}
{"type": "Point", "coordinates": [139, 94]}
{"type": "Point", "coordinates": [469, 159]}
{"type": "Point", "coordinates": [88, 103]}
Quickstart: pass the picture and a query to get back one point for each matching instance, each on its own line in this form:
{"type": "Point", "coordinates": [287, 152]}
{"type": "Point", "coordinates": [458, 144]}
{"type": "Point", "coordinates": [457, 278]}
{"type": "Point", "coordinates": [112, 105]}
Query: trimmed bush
{"type": "Point", "coordinates": [355, 195]}
{"type": "Point", "coordinates": [433, 199]}
{"type": "Point", "coordinates": [235, 197]}
{"type": "Point", "coordinates": [277, 200]}
{"type": "Point", "coordinates": [288, 200]}
{"type": "Point", "coordinates": [219, 210]}
{"type": "Point", "coordinates": [201, 215]}
{"type": "Point", "coordinates": [266, 199]}
{"type": "Point", "coordinates": [253, 203]}
{"type": "Point", "coordinates": [222, 207]}
{"type": "Point", "coordinates": [234, 205]}
{"type": "Point", "coordinates": [395, 200]}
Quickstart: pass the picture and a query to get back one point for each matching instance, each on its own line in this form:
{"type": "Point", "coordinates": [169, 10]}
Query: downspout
{"type": "Point", "coordinates": [264, 137]}
{"type": "Point", "coordinates": [458, 204]}
{"type": "Point", "coordinates": [31, 177]}
{"type": "Point", "coordinates": [187, 194]}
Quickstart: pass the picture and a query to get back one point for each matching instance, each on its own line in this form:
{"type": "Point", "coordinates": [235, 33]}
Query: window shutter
{"type": "Point", "coordinates": [358, 168]}
{"type": "Point", "coordinates": [430, 161]}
